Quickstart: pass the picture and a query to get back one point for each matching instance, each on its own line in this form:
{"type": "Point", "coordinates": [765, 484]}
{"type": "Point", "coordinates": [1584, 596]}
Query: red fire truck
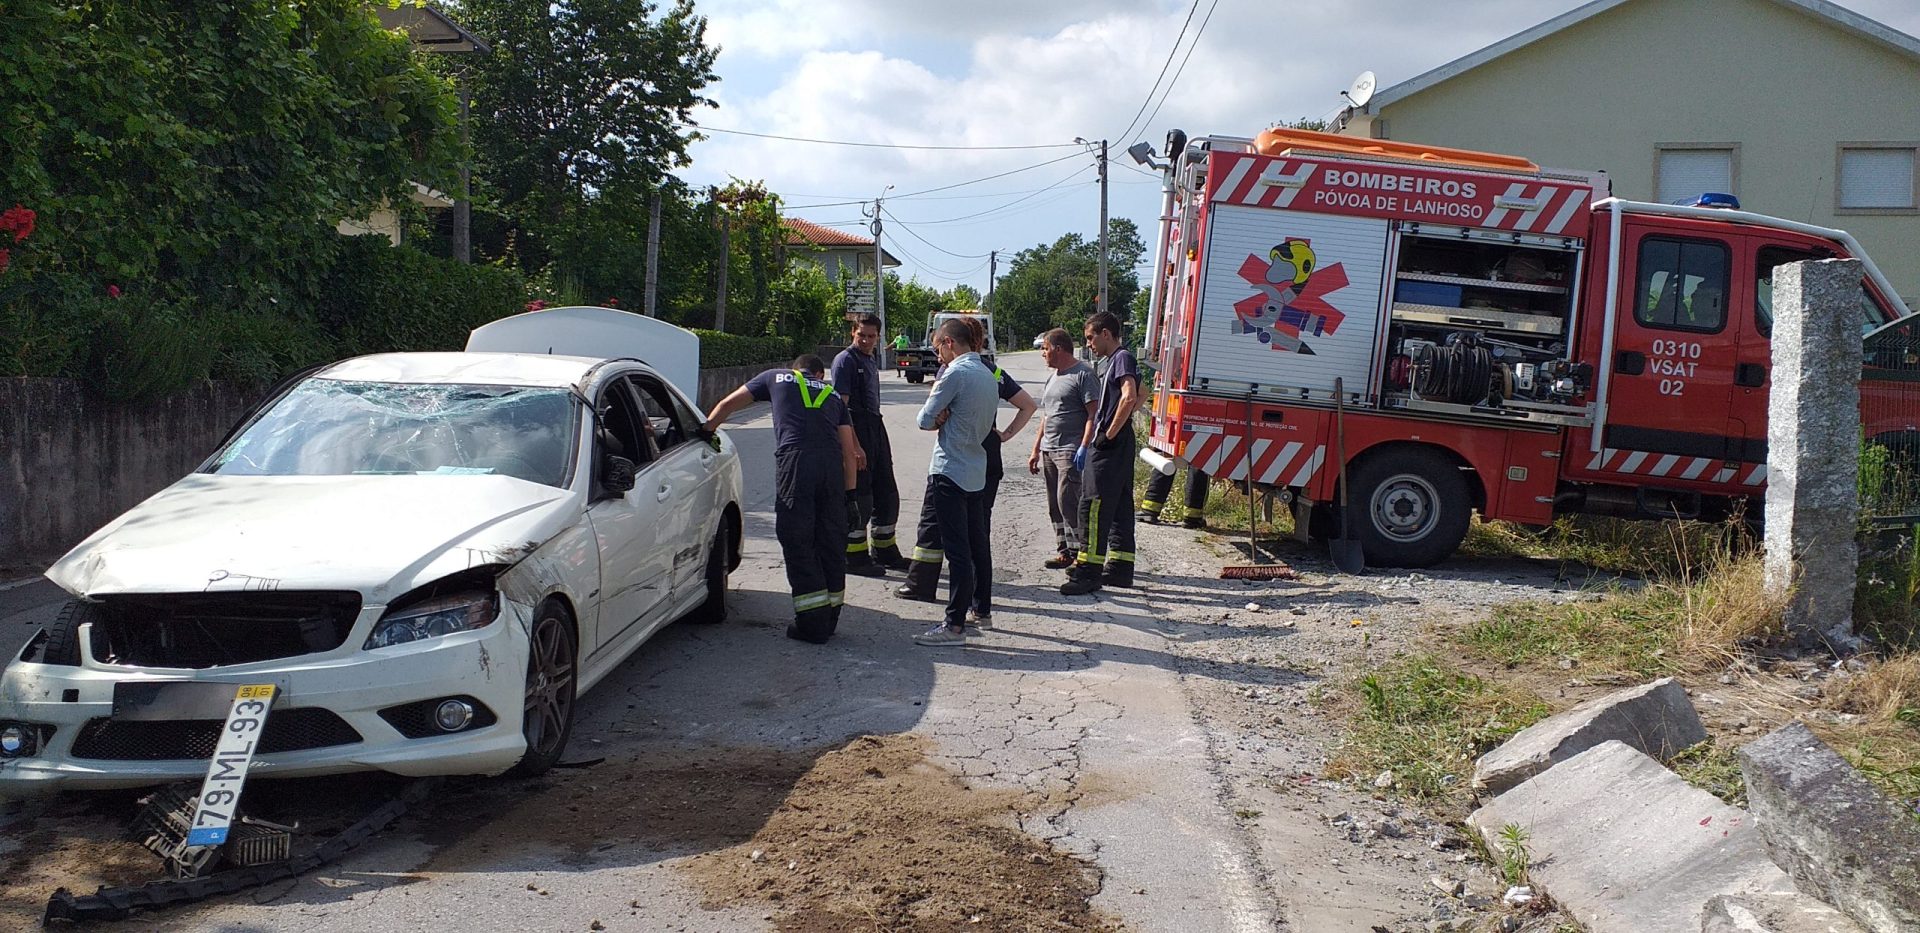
{"type": "Point", "coordinates": [1505, 338]}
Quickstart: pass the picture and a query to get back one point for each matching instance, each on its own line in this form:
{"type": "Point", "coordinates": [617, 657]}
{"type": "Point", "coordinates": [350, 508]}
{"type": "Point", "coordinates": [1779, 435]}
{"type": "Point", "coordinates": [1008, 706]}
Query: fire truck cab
{"type": "Point", "coordinates": [1504, 338]}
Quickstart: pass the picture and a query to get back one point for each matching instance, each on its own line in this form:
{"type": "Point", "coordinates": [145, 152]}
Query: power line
{"type": "Point", "coordinates": [866, 145]}
{"type": "Point", "coordinates": [963, 184]}
{"type": "Point", "coordinates": [1183, 61]}
{"type": "Point", "coordinates": [1036, 193]}
{"type": "Point", "coordinates": [1059, 194]}
{"type": "Point", "coordinates": [904, 226]}
{"type": "Point", "coordinates": [1163, 72]}
{"type": "Point", "coordinates": [944, 274]}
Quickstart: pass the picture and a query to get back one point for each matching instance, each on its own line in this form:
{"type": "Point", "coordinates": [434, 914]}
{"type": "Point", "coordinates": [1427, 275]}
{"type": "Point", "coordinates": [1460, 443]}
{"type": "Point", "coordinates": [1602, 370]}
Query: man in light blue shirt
{"type": "Point", "coordinates": [961, 407]}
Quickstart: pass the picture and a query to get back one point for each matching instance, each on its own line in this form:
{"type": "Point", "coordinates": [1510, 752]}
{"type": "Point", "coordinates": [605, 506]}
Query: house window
{"type": "Point", "coordinates": [1683, 173]}
{"type": "Point", "coordinates": [1875, 178]}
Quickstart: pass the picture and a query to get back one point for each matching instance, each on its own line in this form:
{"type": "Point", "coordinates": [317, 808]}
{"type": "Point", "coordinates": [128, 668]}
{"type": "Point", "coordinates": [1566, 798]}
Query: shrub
{"type": "Point", "coordinates": [719, 349]}
{"type": "Point", "coordinates": [379, 298]}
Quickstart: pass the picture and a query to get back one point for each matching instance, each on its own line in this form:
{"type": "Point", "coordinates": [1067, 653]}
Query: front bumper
{"type": "Point", "coordinates": [488, 665]}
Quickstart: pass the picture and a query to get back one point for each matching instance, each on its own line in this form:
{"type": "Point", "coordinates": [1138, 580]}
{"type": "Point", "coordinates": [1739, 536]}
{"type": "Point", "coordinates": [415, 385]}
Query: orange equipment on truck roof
{"type": "Point", "coordinates": [1277, 139]}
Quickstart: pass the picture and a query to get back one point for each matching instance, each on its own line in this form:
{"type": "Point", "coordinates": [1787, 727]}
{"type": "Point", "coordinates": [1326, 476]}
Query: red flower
{"type": "Point", "coordinates": [613, 302]}
{"type": "Point", "coordinates": [536, 304]}
{"type": "Point", "coordinates": [18, 221]}
{"type": "Point", "coordinates": [113, 291]}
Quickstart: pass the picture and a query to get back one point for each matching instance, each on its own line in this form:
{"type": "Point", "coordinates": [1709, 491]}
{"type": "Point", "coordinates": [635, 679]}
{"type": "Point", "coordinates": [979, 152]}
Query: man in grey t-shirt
{"type": "Point", "coordinates": [1067, 406]}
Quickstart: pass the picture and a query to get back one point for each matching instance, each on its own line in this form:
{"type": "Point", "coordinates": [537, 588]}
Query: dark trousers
{"type": "Point", "coordinates": [1160, 486]}
{"type": "Point", "coordinates": [810, 519]}
{"type": "Point", "coordinates": [962, 517]}
{"type": "Point", "coordinates": [877, 494]}
{"type": "Point", "coordinates": [1106, 506]}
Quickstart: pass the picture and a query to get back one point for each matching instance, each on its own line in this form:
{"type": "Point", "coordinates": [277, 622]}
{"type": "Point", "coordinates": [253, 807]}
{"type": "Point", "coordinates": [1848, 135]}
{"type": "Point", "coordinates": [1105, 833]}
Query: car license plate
{"type": "Point", "coordinates": [232, 757]}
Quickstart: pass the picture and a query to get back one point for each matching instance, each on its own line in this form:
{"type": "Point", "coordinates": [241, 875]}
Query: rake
{"type": "Point", "coordinates": [1258, 570]}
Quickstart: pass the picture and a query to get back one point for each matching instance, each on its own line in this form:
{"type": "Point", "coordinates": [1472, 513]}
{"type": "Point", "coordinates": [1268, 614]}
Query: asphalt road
{"type": "Point", "coordinates": [1080, 701]}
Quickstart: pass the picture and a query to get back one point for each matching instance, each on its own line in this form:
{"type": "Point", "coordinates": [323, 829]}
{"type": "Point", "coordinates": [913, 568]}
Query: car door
{"type": "Point", "coordinates": [681, 484]}
{"type": "Point", "coordinates": [1673, 360]}
{"type": "Point", "coordinates": [635, 567]}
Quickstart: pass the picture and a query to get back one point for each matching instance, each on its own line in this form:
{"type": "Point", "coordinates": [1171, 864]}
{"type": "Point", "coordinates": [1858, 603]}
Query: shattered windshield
{"type": "Point", "coordinates": [328, 427]}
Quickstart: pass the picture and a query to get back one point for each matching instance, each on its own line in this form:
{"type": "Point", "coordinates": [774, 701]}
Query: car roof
{"type": "Point", "coordinates": [501, 369]}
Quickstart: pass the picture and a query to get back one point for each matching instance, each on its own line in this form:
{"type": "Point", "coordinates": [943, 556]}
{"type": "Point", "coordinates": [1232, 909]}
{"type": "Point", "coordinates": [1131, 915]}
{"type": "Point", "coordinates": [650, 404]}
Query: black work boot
{"type": "Point", "coordinates": [813, 625]}
{"type": "Point", "coordinates": [1081, 580]}
{"type": "Point", "coordinates": [1118, 573]}
{"type": "Point", "coordinates": [923, 582]}
{"type": "Point", "coordinates": [860, 563]}
{"type": "Point", "coordinates": [889, 556]}
{"type": "Point", "coordinates": [1194, 520]}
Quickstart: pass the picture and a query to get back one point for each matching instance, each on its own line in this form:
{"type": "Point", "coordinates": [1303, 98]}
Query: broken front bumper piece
{"type": "Point", "coordinates": [350, 709]}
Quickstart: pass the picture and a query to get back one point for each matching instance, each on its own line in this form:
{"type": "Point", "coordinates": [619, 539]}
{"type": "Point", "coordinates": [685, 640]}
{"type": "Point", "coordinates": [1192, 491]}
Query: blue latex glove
{"type": "Point", "coordinates": [1080, 458]}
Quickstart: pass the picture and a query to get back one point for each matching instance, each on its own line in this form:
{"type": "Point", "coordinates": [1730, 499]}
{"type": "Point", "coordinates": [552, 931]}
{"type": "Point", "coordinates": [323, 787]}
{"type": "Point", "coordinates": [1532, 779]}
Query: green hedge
{"type": "Point", "coordinates": [380, 298]}
{"type": "Point", "coordinates": [719, 349]}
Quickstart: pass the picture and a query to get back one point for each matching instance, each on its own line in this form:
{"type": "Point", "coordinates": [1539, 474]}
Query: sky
{"type": "Point", "coordinates": [995, 74]}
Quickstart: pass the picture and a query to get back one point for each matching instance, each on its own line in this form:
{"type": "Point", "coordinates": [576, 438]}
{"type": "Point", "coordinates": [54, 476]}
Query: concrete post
{"type": "Point", "coordinates": [1813, 448]}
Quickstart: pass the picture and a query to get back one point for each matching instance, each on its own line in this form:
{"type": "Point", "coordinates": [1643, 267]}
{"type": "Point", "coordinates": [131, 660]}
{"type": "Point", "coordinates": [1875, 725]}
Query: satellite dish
{"type": "Point", "coordinates": [1361, 91]}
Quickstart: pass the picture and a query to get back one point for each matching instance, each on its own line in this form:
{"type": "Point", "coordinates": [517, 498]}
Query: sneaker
{"type": "Point", "coordinates": [980, 620]}
{"type": "Point", "coordinates": [867, 570]}
{"type": "Point", "coordinates": [909, 591]}
{"type": "Point", "coordinates": [1061, 561]}
{"type": "Point", "coordinates": [941, 636]}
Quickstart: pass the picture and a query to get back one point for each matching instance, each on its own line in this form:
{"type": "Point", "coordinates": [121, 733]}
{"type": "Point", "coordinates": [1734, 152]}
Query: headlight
{"type": "Point", "coordinates": [443, 615]}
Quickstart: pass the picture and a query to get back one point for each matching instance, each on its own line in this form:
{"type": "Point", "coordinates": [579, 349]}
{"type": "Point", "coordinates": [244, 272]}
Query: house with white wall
{"type": "Point", "coordinates": [1802, 109]}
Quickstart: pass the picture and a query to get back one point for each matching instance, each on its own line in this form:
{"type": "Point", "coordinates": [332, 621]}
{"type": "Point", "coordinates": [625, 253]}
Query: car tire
{"type": "Point", "coordinates": [1411, 508]}
{"type": "Point", "coordinates": [63, 636]}
{"type": "Point", "coordinates": [546, 713]}
{"type": "Point", "coordinates": [713, 610]}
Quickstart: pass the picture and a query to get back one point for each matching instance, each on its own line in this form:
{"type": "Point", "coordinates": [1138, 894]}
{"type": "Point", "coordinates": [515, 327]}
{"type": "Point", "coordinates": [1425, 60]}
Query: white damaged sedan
{"type": "Point", "coordinates": [429, 555]}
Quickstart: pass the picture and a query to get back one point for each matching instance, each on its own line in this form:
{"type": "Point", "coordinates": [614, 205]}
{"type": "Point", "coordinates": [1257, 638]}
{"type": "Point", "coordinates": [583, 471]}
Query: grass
{"type": "Point", "coordinates": [1664, 627]}
{"type": "Point", "coordinates": [1712, 767]}
{"type": "Point", "coordinates": [1426, 721]}
{"type": "Point", "coordinates": [1656, 550]}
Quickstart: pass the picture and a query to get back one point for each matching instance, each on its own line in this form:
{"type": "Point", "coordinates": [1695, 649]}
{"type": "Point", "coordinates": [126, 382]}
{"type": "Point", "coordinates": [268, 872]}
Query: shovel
{"type": "Point", "coordinates": [1347, 556]}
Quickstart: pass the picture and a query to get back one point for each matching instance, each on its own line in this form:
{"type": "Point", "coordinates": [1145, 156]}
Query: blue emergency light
{"type": "Point", "coordinates": [1718, 200]}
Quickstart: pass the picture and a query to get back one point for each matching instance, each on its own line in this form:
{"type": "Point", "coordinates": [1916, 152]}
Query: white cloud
{"type": "Point", "coordinates": [998, 72]}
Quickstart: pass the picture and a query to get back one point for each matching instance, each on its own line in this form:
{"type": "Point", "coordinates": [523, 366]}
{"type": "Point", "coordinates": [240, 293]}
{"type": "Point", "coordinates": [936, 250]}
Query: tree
{"type": "Point", "coordinates": [1058, 285]}
{"type": "Point", "coordinates": [205, 150]}
{"type": "Point", "coordinates": [580, 106]}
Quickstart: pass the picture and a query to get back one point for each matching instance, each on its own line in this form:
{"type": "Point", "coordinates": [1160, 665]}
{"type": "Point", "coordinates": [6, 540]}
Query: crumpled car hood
{"type": "Point", "coordinates": [379, 535]}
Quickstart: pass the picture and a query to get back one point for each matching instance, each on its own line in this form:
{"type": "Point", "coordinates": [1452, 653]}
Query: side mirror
{"type": "Point", "coordinates": [709, 438]}
{"type": "Point", "coordinates": [618, 475]}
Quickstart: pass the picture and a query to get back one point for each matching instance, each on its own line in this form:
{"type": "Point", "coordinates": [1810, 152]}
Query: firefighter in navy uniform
{"type": "Point", "coordinates": [815, 458]}
{"type": "Point", "coordinates": [1160, 486]}
{"type": "Point", "coordinates": [1106, 490]}
{"type": "Point", "coordinates": [856, 378]}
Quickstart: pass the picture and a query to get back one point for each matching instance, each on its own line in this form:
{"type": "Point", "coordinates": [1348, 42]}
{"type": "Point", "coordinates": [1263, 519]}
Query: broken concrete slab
{"type": "Point", "coordinates": [1656, 718]}
{"type": "Point", "coordinates": [1625, 846]}
{"type": "Point", "coordinates": [1834, 832]}
{"type": "Point", "coordinates": [1790, 912]}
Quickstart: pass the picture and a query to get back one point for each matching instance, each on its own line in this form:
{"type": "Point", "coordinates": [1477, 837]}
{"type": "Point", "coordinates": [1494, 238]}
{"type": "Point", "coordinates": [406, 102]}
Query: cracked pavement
{"type": "Point", "coordinates": [1097, 707]}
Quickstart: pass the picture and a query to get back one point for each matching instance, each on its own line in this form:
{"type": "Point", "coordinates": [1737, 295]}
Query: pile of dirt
{"type": "Point", "coordinates": [876, 837]}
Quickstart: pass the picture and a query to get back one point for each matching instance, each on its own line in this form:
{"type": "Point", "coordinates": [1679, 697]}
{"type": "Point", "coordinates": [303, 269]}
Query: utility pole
{"type": "Point", "coordinates": [993, 272]}
{"type": "Point", "coordinates": [653, 256]}
{"type": "Point", "coordinates": [879, 268]}
{"type": "Point", "coordinates": [460, 238]}
{"type": "Point", "coordinates": [1103, 226]}
{"type": "Point", "coordinates": [720, 294]}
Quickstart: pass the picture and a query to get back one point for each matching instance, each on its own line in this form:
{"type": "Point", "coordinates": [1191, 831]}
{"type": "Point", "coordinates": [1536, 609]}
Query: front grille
{"type": "Point", "coordinates": [415, 720]}
{"type": "Point", "coordinates": [202, 630]}
{"type": "Point", "coordinates": [288, 730]}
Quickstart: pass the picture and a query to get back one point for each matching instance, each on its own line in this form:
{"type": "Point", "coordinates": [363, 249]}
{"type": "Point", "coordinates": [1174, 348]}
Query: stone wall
{"type": "Point", "coordinates": [69, 463]}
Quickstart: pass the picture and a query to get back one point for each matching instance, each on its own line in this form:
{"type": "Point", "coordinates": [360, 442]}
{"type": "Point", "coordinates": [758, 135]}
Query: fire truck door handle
{"type": "Point", "coordinates": [1630, 362]}
{"type": "Point", "coordinates": [1750, 375]}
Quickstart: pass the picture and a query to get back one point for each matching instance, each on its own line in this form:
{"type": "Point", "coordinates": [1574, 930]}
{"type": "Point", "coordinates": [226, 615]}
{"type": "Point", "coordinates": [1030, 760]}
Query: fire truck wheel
{"type": "Point", "coordinates": [1411, 507]}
